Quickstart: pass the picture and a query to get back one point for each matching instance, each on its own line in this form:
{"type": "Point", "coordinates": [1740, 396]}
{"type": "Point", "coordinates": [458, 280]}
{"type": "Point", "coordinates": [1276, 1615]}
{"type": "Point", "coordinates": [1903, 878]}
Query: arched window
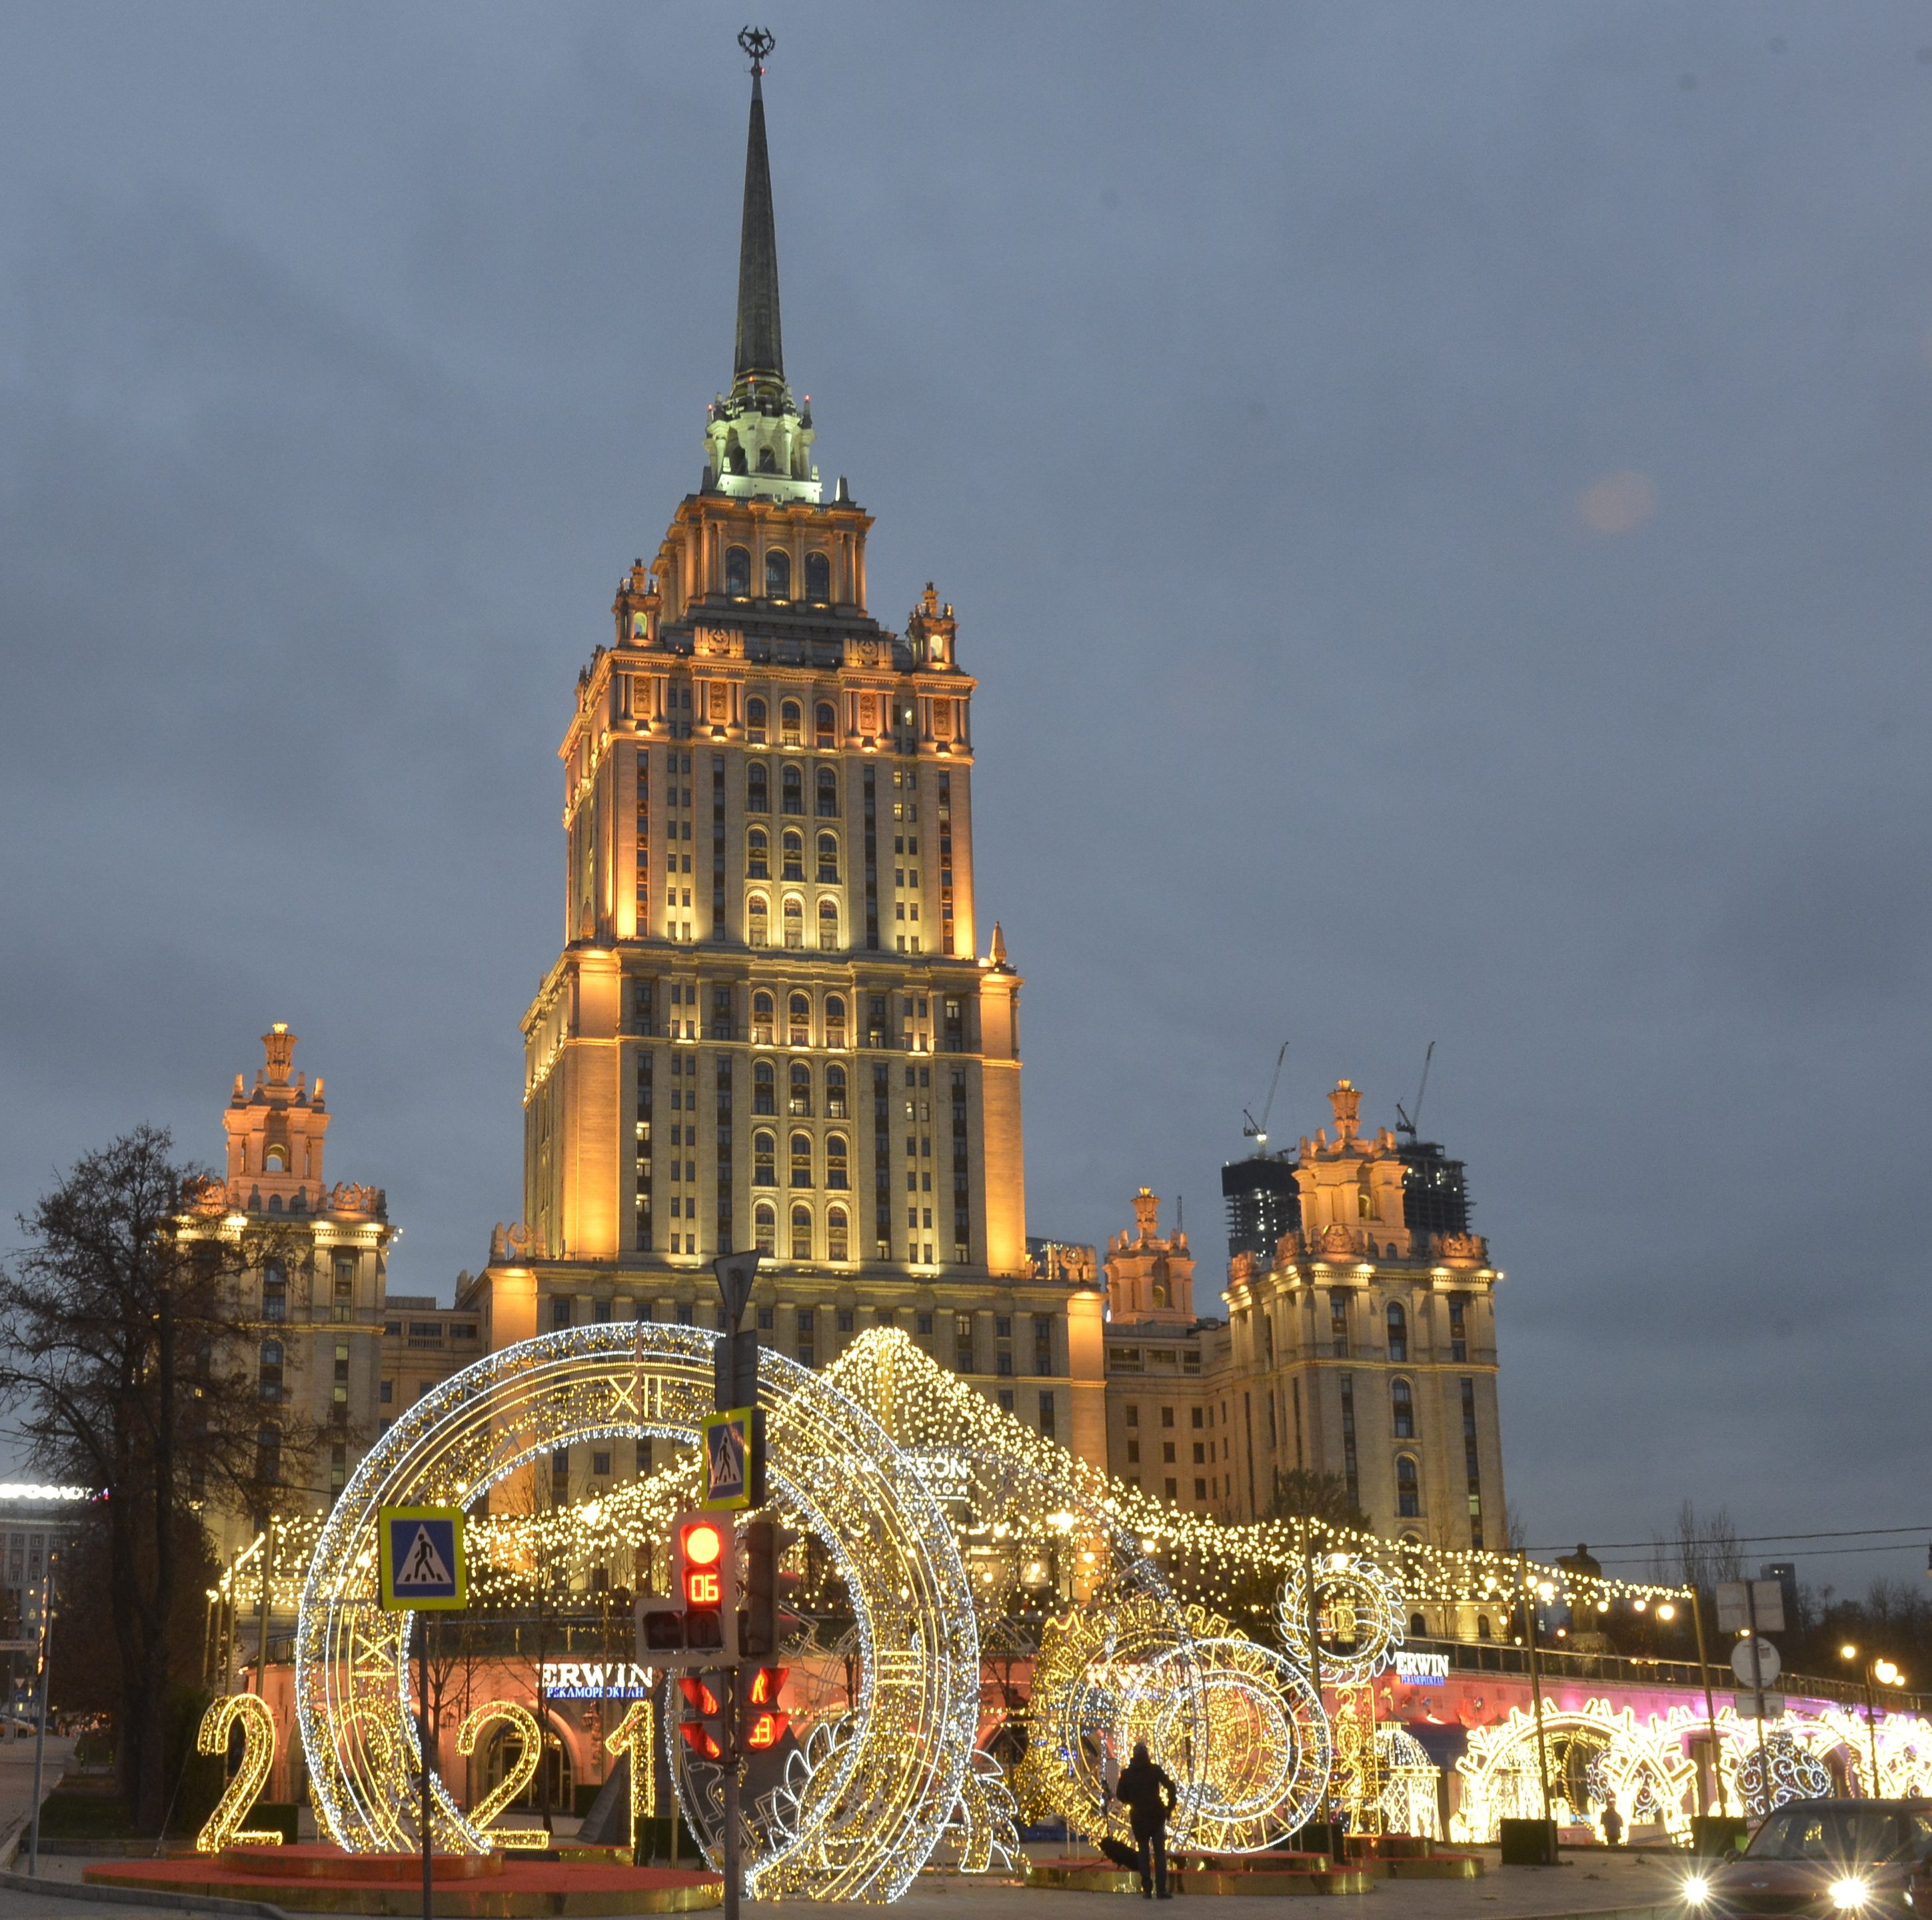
{"type": "Point", "coordinates": [757, 855]}
{"type": "Point", "coordinates": [793, 795]}
{"type": "Point", "coordinates": [271, 1375]}
{"type": "Point", "coordinates": [764, 1088]}
{"type": "Point", "coordinates": [758, 788]}
{"type": "Point", "coordinates": [800, 1108]}
{"type": "Point", "coordinates": [834, 1160]}
{"type": "Point", "coordinates": [828, 859]}
{"type": "Point", "coordinates": [825, 721]}
{"type": "Point", "coordinates": [798, 1020]}
{"type": "Point", "coordinates": [1402, 1405]}
{"type": "Point", "coordinates": [1160, 1293]}
{"type": "Point", "coordinates": [765, 1228]}
{"type": "Point", "coordinates": [828, 794]}
{"type": "Point", "coordinates": [801, 1233]}
{"type": "Point", "coordinates": [738, 567]}
{"type": "Point", "coordinates": [835, 1026]}
{"type": "Point", "coordinates": [768, 461]}
{"type": "Point", "coordinates": [1365, 1197]}
{"type": "Point", "coordinates": [793, 843]}
{"type": "Point", "coordinates": [1408, 1488]}
{"type": "Point", "coordinates": [757, 921]}
{"type": "Point", "coordinates": [838, 1239]}
{"type": "Point", "coordinates": [1418, 1627]}
{"type": "Point", "coordinates": [778, 573]}
{"type": "Point", "coordinates": [268, 1454]}
{"type": "Point", "coordinates": [764, 1159]}
{"type": "Point", "coordinates": [755, 722]}
{"type": "Point", "coordinates": [761, 1027]}
{"type": "Point", "coordinates": [794, 922]}
{"type": "Point", "coordinates": [835, 1092]}
{"type": "Point", "coordinates": [828, 926]}
{"type": "Point", "coordinates": [276, 1159]}
{"type": "Point", "coordinates": [791, 723]}
{"type": "Point", "coordinates": [1482, 1632]}
{"type": "Point", "coordinates": [1398, 1331]}
{"type": "Point", "coordinates": [817, 577]}
{"type": "Point", "coordinates": [801, 1159]}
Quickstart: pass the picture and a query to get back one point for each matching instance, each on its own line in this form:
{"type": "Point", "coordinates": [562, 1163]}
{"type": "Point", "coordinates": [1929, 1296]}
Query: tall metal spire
{"type": "Point", "coordinates": [761, 345]}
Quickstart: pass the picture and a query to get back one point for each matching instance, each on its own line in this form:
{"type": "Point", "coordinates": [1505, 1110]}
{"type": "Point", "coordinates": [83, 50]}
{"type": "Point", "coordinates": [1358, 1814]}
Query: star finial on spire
{"type": "Point", "coordinates": [756, 42]}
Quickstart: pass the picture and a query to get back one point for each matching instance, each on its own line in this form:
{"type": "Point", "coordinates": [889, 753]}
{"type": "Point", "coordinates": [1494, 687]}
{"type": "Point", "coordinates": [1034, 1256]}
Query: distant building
{"type": "Point", "coordinates": [1360, 1343]}
{"type": "Point", "coordinates": [1262, 1200]}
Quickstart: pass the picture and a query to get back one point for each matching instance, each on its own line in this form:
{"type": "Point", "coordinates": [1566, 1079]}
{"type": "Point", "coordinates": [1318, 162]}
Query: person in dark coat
{"type": "Point", "coordinates": [1149, 1795]}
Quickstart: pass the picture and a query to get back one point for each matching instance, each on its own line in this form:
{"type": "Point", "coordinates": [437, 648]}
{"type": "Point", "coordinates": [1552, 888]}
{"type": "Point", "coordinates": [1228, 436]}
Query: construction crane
{"type": "Point", "coordinates": [1404, 1124]}
{"type": "Point", "coordinates": [1256, 1130]}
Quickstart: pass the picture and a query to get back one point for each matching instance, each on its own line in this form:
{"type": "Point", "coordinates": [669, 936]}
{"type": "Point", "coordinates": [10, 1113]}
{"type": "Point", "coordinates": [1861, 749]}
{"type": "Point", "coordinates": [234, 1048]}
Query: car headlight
{"type": "Point", "coordinates": [1697, 1890]}
{"type": "Point", "coordinates": [1850, 1892]}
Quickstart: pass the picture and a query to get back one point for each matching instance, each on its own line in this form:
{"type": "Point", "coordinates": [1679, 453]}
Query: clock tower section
{"type": "Point", "coordinates": [776, 1020]}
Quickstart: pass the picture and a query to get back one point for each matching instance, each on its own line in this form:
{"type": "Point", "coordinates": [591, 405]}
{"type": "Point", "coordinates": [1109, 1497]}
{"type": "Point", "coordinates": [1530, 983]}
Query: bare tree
{"type": "Point", "coordinates": [1697, 1553]}
{"type": "Point", "coordinates": [123, 1359]}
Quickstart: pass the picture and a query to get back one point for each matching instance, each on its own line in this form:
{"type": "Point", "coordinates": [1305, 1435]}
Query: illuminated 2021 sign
{"type": "Point", "coordinates": [593, 1680]}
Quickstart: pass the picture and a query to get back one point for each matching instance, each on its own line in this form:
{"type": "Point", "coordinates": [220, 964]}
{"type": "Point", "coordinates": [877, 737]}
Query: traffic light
{"type": "Point", "coordinates": [764, 1723]}
{"type": "Point", "coordinates": [697, 1626]}
{"type": "Point", "coordinates": [702, 1728]}
{"type": "Point", "coordinates": [758, 1591]}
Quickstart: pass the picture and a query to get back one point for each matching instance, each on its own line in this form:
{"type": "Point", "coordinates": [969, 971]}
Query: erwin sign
{"type": "Point", "coordinates": [594, 1680]}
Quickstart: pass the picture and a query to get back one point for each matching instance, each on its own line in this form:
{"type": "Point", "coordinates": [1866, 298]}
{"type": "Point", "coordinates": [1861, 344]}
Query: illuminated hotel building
{"type": "Point", "coordinates": [779, 1019]}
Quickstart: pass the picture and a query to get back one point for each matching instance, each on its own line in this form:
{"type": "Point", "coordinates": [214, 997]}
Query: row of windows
{"type": "Point", "coordinates": [791, 790]}
{"type": "Point", "coordinates": [791, 723]}
{"type": "Point", "coordinates": [791, 857]}
{"type": "Point", "coordinates": [778, 572]}
{"type": "Point", "coordinates": [758, 922]}
{"type": "Point", "coordinates": [764, 1163]}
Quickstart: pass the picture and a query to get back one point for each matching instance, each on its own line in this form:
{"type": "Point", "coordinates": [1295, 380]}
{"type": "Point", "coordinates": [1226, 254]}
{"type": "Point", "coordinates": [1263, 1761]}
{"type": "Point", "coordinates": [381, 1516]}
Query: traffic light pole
{"type": "Point", "coordinates": [734, 1272]}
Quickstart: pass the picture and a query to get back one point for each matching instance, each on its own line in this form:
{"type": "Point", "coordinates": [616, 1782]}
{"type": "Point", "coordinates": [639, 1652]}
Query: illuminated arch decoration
{"type": "Point", "coordinates": [1360, 1615]}
{"type": "Point", "coordinates": [1593, 1750]}
{"type": "Point", "coordinates": [1409, 1778]}
{"type": "Point", "coordinates": [896, 1776]}
{"type": "Point", "coordinates": [1796, 1771]}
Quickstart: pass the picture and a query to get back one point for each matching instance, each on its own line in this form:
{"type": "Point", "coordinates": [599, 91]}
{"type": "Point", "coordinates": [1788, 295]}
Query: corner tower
{"type": "Point", "coordinates": [773, 1022]}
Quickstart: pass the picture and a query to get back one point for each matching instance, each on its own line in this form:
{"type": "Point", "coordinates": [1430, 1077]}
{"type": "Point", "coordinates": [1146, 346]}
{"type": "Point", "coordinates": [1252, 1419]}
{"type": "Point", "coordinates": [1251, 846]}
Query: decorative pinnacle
{"type": "Point", "coordinates": [756, 42]}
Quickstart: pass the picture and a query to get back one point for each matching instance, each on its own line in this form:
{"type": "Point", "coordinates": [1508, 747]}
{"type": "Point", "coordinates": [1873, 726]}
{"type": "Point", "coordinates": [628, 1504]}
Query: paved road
{"type": "Point", "coordinates": [1584, 1884]}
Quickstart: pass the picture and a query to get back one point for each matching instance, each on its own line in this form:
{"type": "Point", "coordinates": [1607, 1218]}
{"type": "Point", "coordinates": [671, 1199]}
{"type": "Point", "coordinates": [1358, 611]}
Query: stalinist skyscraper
{"type": "Point", "coordinates": [778, 1018]}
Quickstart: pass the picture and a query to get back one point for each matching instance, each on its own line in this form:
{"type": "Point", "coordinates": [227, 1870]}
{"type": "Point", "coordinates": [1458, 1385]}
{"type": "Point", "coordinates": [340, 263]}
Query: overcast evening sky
{"type": "Point", "coordinates": [1436, 497]}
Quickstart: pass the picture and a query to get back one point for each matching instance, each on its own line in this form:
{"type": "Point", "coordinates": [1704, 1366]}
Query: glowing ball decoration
{"type": "Point", "coordinates": [896, 1778]}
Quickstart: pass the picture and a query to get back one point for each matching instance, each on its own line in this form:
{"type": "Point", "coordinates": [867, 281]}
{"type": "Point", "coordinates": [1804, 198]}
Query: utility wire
{"type": "Point", "coordinates": [1754, 1539]}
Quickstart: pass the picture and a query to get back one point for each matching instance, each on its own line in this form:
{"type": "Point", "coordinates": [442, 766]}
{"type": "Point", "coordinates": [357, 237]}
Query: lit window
{"type": "Point", "coordinates": [761, 1020]}
{"type": "Point", "coordinates": [800, 1105]}
{"type": "Point", "coordinates": [835, 1087]}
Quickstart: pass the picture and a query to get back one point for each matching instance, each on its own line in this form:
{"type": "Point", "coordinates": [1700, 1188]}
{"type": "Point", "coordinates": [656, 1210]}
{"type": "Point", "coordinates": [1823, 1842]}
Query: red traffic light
{"type": "Point", "coordinates": [766, 1729]}
{"type": "Point", "coordinates": [701, 1542]}
{"type": "Point", "coordinates": [766, 1683]}
{"type": "Point", "coordinates": [699, 1738]}
{"type": "Point", "coordinates": [697, 1695]}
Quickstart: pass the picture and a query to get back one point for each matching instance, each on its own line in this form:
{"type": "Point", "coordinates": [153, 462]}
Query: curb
{"type": "Point", "coordinates": [180, 1902]}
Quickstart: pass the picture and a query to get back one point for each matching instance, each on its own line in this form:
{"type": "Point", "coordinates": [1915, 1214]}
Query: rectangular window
{"type": "Point", "coordinates": [559, 1312]}
{"type": "Point", "coordinates": [1350, 1466]}
{"type": "Point", "coordinates": [600, 1465]}
{"type": "Point", "coordinates": [1046, 1415]}
{"type": "Point", "coordinates": [1005, 1399]}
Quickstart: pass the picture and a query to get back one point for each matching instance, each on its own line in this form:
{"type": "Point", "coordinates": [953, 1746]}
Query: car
{"type": "Point", "coordinates": [1836, 1859]}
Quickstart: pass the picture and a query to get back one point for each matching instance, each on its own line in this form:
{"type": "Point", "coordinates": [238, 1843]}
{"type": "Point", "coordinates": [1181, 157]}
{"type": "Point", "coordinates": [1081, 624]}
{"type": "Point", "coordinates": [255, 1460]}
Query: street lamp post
{"type": "Point", "coordinates": [1884, 1674]}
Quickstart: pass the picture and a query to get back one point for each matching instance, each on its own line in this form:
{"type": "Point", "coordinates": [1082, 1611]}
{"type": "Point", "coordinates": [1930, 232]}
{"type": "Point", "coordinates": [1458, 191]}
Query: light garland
{"type": "Point", "coordinates": [1409, 1778]}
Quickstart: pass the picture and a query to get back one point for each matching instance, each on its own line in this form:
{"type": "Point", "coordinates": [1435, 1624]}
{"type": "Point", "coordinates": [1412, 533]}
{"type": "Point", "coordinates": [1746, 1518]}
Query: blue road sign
{"type": "Point", "coordinates": [728, 1458]}
{"type": "Point", "coordinates": [421, 1558]}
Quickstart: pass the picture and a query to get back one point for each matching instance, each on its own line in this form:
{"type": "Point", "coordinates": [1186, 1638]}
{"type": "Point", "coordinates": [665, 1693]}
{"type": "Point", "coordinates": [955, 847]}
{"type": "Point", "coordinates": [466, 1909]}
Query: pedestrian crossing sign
{"type": "Point", "coordinates": [422, 1549]}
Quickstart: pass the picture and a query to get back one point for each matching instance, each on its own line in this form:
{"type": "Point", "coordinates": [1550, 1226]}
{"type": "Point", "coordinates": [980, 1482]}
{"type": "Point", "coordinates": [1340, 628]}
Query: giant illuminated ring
{"type": "Point", "coordinates": [1086, 1675]}
{"type": "Point", "coordinates": [833, 1472]}
{"type": "Point", "coordinates": [1350, 1593]}
{"type": "Point", "coordinates": [1266, 1764]}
